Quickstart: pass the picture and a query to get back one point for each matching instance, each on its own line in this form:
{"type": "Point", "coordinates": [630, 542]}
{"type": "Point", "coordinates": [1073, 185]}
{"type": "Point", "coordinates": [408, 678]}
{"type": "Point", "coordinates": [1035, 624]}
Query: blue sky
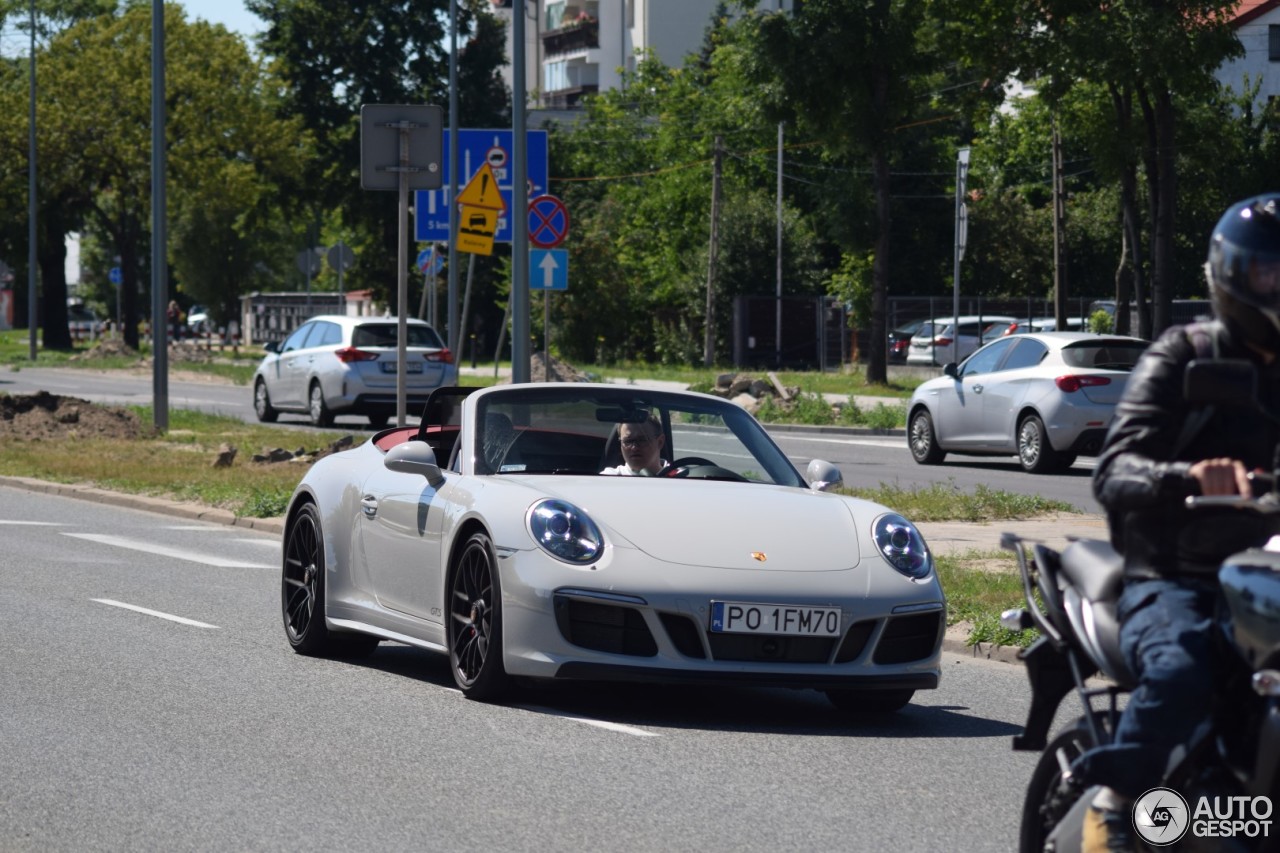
{"type": "Point", "coordinates": [230, 13]}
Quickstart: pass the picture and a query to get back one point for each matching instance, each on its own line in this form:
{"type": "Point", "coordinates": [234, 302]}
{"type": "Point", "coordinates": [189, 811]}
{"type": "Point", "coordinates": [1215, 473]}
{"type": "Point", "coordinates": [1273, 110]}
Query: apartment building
{"type": "Point", "coordinates": [575, 48]}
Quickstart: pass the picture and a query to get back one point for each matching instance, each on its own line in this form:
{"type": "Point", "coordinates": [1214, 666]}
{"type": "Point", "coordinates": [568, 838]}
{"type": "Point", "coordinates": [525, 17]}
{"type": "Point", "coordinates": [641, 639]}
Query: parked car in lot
{"type": "Point", "coordinates": [900, 340]}
{"type": "Point", "coordinates": [337, 365]}
{"type": "Point", "coordinates": [82, 322]}
{"type": "Point", "coordinates": [1045, 396]}
{"type": "Point", "coordinates": [936, 341]}
{"type": "Point", "coordinates": [493, 535]}
{"type": "Point", "coordinates": [1034, 324]}
{"type": "Point", "coordinates": [198, 319]}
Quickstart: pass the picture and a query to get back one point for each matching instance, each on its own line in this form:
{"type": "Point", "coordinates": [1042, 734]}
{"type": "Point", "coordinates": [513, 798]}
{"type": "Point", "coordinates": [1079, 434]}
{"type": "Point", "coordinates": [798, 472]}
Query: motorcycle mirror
{"type": "Point", "coordinates": [1221, 381]}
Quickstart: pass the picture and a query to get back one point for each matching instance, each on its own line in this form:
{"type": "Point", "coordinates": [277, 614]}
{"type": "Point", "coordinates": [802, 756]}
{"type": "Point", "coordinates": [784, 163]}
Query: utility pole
{"type": "Point", "coordinates": [777, 313]}
{"type": "Point", "coordinates": [1059, 234]}
{"type": "Point", "coordinates": [709, 346]}
{"type": "Point", "coordinates": [32, 255]}
{"type": "Point", "coordinates": [159, 233]}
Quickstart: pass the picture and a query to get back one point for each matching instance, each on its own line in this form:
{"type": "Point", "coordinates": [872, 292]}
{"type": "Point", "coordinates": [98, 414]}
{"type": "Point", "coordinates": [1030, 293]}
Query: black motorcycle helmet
{"type": "Point", "coordinates": [1244, 271]}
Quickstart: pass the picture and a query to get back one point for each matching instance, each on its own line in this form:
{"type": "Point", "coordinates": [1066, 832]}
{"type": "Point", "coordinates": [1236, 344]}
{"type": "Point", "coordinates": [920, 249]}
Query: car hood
{"type": "Point", "coordinates": [718, 524]}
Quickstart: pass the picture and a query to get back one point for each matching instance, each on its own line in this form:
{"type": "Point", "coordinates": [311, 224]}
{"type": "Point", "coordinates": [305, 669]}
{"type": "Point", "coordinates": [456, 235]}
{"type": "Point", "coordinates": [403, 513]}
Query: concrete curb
{"type": "Point", "coordinates": [179, 509]}
{"type": "Point", "coordinates": [954, 642]}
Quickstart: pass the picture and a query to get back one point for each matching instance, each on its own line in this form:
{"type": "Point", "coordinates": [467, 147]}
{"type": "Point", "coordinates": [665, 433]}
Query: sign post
{"type": "Point", "coordinates": [341, 258]}
{"type": "Point", "coordinates": [400, 149]}
{"type": "Point", "coordinates": [962, 232]}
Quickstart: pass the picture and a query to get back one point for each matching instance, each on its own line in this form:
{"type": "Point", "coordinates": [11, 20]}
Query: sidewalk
{"type": "Point", "coordinates": [1056, 531]}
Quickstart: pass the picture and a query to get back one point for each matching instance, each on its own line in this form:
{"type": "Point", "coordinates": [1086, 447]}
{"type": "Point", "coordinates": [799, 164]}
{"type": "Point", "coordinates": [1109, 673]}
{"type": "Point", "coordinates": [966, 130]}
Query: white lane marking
{"type": "Point", "coordinates": [601, 724]}
{"type": "Point", "coordinates": [39, 523]}
{"type": "Point", "coordinates": [164, 551]}
{"type": "Point", "coordinates": [193, 623]}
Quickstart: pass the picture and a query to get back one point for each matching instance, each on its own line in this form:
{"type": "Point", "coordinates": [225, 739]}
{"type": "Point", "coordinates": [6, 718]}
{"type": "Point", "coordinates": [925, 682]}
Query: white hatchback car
{"type": "Point", "coordinates": [1045, 396]}
{"type": "Point", "coordinates": [943, 339]}
{"type": "Point", "coordinates": [339, 365]}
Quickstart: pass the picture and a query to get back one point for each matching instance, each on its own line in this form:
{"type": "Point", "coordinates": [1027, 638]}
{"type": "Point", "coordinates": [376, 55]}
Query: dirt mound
{"type": "Point", "coordinates": [554, 370]}
{"type": "Point", "coordinates": [44, 416]}
{"type": "Point", "coordinates": [106, 348]}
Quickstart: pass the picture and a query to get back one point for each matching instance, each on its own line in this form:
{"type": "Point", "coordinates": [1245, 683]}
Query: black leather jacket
{"type": "Point", "coordinates": [1142, 478]}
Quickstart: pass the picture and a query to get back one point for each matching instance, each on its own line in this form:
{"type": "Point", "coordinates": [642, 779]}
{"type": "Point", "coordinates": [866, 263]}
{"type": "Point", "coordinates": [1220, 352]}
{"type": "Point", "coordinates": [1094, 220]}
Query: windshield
{"type": "Point", "coordinates": [567, 431]}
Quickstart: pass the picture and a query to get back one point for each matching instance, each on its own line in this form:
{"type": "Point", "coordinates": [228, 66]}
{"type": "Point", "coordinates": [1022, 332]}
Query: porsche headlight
{"type": "Point", "coordinates": [565, 532]}
{"type": "Point", "coordinates": [902, 546]}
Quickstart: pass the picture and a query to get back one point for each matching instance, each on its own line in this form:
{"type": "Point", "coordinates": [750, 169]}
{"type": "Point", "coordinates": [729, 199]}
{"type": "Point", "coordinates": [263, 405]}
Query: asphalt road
{"type": "Point", "coordinates": [124, 728]}
{"type": "Point", "coordinates": [865, 460]}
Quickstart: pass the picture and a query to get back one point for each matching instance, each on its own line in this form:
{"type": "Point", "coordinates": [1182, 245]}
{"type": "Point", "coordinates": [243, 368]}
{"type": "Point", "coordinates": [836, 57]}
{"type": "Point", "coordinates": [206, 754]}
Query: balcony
{"type": "Point", "coordinates": [562, 99]}
{"type": "Point", "coordinates": [575, 36]}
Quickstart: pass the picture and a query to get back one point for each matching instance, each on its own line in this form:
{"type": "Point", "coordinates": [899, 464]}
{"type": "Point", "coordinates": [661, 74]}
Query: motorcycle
{"type": "Point", "coordinates": [1071, 600]}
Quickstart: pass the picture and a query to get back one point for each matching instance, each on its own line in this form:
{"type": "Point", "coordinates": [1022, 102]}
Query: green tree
{"type": "Point", "coordinates": [96, 108]}
{"type": "Point", "coordinates": [1152, 57]}
{"type": "Point", "coordinates": [58, 206]}
{"type": "Point", "coordinates": [336, 57]}
{"type": "Point", "coordinates": [847, 73]}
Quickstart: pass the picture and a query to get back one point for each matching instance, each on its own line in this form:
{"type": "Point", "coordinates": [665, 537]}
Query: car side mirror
{"type": "Point", "coordinates": [1220, 381]}
{"type": "Point", "coordinates": [271, 346]}
{"type": "Point", "coordinates": [823, 476]}
{"type": "Point", "coordinates": [414, 457]}
{"type": "Point", "coordinates": [951, 369]}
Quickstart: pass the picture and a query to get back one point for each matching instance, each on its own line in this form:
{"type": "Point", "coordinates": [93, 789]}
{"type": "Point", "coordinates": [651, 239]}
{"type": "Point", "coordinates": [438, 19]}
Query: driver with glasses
{"type": "Point", "coordinates": [641, 449]}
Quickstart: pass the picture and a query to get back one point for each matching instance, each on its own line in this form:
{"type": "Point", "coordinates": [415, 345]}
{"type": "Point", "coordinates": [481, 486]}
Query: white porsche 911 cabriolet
{"type": "Point", "coordinates": [492, 534]}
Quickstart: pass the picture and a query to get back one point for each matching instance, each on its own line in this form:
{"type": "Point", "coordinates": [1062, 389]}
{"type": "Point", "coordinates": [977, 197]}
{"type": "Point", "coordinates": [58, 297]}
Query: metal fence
{"type": "Point", "coordinates": [270, 317]}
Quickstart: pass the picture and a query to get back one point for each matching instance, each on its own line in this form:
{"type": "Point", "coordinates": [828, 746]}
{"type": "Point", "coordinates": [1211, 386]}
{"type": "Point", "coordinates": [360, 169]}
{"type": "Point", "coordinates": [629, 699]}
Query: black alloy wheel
{"type": "Point", "coordinates": [302, 594]}
{"type": "Point", "coordinates": [475, 622]}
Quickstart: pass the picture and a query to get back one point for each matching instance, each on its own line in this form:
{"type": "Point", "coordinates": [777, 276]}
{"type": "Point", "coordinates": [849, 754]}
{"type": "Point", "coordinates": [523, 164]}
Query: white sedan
{"type": "Point", "coordinates": [1047, 397]}
{"type": "Point", "coordinates": [490, 534]}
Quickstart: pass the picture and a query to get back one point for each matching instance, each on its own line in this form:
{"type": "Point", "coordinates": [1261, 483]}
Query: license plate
{"type": "Point", "coordinates": [740, 617]}
{"type": "Point", "coordinates": [409, 366]}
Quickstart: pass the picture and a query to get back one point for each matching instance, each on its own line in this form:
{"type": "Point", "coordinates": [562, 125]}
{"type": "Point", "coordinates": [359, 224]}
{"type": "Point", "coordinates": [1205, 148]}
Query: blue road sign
{"type": "Point", "coordinates": [475, 148]}
{"type": "Point", "coordinates": [425, 257]}
{"type": "Point", "coordinates": [548, 269]}
{"type": "Point", "coordinates": [116, 275]}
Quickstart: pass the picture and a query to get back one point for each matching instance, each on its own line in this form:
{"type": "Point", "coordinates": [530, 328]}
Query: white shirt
{"type": "Point", "coordinates": [624, 470]}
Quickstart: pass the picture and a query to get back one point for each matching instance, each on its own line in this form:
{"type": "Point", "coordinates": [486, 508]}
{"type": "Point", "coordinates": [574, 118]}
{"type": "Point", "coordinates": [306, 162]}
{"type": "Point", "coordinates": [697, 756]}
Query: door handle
{"type": "Point", "coordinates": [977, 389]}
{"type": "Point", "coordinates": [369, 504]}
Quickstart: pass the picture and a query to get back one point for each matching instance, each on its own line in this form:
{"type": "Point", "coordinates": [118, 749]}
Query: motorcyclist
{"type": "Point", "coordinates": [1160, 449]}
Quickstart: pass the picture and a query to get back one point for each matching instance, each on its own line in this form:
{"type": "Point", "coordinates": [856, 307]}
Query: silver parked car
{"type": "Point", "coordinates": [338, 365]}
{"type": "Point", "coordinates": [945, 339]}
{"type": "Point", "coordinates": [1045, 396]}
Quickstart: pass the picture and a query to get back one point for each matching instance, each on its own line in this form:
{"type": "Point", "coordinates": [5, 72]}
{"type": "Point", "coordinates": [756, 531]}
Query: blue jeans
{"type": "Point", "coordinates": [1165, 637]}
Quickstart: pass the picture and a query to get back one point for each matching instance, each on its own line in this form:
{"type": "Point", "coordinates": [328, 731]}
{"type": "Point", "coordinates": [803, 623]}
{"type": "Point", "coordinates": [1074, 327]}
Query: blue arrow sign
{"type": "Point", "coordinates": [548, 269]}
{"type": "Point", "coordinates": [475, 148]}
{"type": "Point", "coordinates": [116, 275]}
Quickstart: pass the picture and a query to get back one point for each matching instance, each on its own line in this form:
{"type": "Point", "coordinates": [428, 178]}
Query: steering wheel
{"type": "Point", "coordinates": [697, 468]}
{"type": "Point", "coordinates": [680, 467]}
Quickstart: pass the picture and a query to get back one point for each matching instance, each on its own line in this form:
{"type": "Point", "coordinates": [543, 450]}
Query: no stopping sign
{"type": "Point", "coordinates": [548, 222]}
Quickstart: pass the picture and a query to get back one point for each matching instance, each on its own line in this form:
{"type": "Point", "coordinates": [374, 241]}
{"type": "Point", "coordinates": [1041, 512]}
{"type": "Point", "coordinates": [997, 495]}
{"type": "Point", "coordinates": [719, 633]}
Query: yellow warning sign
{"type": "Point", "coordinates": [476, 229]}
{"type": "Point", "coordinates": [482, 191]}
